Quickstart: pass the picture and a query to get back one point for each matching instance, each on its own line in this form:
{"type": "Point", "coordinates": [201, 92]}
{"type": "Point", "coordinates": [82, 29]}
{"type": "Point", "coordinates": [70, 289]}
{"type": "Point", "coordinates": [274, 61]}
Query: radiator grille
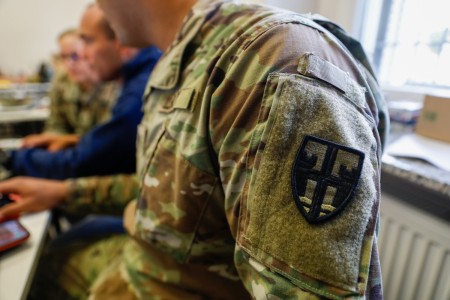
{"type": "Point", "coordinates": [414, 252]}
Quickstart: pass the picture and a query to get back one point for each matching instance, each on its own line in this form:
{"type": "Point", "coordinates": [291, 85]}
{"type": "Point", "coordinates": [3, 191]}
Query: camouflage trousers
{"type": "Point", "coordinates": [83, 270]}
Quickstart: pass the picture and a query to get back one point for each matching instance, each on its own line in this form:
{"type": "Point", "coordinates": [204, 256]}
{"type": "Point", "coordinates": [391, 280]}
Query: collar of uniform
{"type": "Point", "coordinates": [167, 71]}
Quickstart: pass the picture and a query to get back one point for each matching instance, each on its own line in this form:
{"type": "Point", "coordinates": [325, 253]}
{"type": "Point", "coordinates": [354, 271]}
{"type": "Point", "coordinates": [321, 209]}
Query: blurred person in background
{"type": "Point", "coordinates": [78, 99]}
{"type": "Point", "coordinates": [99, 194]}
{"type": "Point", "coordinates": [109, 147]}
{"type": "Point", "coordinates": [102, 198]}
{"type": "Point", "coordinates": [111, 143]}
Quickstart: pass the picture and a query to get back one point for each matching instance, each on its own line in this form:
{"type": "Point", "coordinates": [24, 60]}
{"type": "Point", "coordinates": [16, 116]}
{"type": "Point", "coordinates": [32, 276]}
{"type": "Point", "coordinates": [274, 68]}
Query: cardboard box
{"type": "Point", "coordinates": [434, 119]}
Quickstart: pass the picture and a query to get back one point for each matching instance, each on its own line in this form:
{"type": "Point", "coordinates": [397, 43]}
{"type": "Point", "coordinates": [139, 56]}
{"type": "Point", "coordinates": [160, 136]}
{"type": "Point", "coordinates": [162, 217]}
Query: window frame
{"type": "Point", "coordinates": [375, 13]}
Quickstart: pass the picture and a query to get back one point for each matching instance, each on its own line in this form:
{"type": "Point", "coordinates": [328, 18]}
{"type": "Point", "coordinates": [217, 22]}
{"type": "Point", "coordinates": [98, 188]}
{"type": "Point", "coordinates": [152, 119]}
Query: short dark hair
{"type": "Point", "coordinates": [107, 29]}
{"type": "Point", "coordinates": [104, 24]}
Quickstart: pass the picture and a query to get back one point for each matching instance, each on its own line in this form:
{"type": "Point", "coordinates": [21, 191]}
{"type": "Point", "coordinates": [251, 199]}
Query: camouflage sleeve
{"type": "Point", "coordinates": [301, 185]}
{"type": "Point", "coordinates": [109, 94]}
{"type": "Point", "coordinates": [56, 121]}
{"type": "Point", "coordinates": [101, 194]}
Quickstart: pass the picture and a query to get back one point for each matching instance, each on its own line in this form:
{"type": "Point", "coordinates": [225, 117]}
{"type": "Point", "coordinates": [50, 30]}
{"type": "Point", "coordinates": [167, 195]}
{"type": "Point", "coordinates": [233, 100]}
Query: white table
{"type": "Point", "coordinates": [10, 144]}
{"type": "Point", "coordinates": [18, 265]}
{"type": "Point", "coordinates": [24, 115]}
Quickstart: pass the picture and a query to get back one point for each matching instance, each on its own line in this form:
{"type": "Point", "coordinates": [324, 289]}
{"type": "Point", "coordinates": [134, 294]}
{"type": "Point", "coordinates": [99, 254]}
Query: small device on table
{"type": "Point", "coordinates": [12, 233]}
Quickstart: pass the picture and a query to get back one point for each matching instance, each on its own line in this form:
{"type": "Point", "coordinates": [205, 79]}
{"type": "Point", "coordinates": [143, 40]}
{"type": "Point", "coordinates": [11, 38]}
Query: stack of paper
{"type": "Point", "coordinates": [417, 146]}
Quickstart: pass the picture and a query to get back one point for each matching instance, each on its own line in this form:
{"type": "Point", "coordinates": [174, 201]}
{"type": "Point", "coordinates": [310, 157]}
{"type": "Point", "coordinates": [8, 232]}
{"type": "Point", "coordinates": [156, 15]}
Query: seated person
{"type": "Point", "coordinates": [108, 148]}
{"type": "Point", "coordinates": [78, 100]}
{"type": "Point", "coordinates": [219, 211]}
{"type": "Point", "coordinates": [101, 195]}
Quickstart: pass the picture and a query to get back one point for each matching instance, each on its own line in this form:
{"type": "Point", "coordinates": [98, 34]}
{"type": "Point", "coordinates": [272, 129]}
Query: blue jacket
{"type": "Point", "coordinates": [108, 148]}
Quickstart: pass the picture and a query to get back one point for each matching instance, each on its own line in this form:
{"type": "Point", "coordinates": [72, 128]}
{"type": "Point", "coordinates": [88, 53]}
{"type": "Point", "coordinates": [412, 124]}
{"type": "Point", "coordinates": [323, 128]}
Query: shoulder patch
{"type": "Point", "coordinates": [324, 178]}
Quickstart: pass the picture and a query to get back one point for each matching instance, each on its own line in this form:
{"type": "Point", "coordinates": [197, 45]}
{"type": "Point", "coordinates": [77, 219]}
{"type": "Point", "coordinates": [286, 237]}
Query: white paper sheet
{"type": "Point", "coordinates": [417, 146]}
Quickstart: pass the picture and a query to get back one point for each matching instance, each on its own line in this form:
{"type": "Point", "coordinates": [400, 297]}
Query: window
{"type": "Point", "coordinates": [411, 45]}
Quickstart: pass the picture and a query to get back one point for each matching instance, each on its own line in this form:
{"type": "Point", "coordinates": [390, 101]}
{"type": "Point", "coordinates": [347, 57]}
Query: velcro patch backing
{"type": "Point", "coordinates": [335, 253]}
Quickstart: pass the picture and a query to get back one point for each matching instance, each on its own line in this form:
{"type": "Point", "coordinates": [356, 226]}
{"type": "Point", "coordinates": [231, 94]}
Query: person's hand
{"type": "Point", "coordinates": [32, 195]}
{"type": "Point", "coordinates": [52, 142]}
{"type": "Point", "coordinates": [36, 140]}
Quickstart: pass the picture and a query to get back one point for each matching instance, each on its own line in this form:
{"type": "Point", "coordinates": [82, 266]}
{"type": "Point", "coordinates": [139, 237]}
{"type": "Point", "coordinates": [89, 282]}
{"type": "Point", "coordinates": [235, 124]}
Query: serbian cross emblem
{"type": "Point", "coordinates": [324, 178]}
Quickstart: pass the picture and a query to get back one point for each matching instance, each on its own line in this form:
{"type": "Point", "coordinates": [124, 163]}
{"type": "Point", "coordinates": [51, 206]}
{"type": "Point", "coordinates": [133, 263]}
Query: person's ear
{"type": "Point", "coordinates": [126, 53]}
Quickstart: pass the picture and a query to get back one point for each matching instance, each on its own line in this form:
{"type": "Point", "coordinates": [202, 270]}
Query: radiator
{"type": "Point", "coordinates": [414, 251]}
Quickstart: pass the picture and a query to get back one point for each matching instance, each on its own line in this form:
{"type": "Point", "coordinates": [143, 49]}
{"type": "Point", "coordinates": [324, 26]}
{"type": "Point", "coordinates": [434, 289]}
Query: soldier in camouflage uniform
{"type": "Point", "coordinates": [78, 100]}
{"type": "Point", "coordinates": [74, 111]}
{"type": "Point", "coordinates": [258, 157]}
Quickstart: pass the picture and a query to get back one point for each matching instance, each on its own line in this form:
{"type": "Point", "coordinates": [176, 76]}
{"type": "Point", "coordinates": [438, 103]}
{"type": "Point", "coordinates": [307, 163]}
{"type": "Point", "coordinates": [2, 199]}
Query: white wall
{"type": "Point", "coordinates": [28, 30]}
{"type": "Point", "coordinates": [301, 6]}
{"type": "Point", "coordinates": [343, 12]}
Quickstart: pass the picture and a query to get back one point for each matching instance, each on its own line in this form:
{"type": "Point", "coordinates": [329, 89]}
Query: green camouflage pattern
{"type": "Point", "coordinates": [73, 111]}
{"type": "Point", "coordinates": [226, 110]}
{"type": "Point", "coordinates": [101, 194]}
{"type": "Point", "coordinates": [238, 90]}
{"type": "Point", "coordinates": [78, 265]}
{"type": "Point", "coordinates": [80, 262]}
{"type": "Point", "coordinates": [82, 269]}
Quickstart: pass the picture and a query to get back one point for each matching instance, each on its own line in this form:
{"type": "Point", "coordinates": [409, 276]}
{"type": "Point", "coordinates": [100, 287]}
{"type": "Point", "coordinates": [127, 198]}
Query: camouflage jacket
{"type": "Point", "coordinates": [259, 163]}
{"type": "Point", "coordinates": [101, 194]}
{"type": "Point", "coordinates": [73, 111]}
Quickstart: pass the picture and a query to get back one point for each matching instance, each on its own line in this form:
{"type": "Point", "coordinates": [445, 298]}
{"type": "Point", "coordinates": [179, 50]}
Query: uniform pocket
{"type": "Point", "coordinates": [175, 192]}
{"type": "Point", "coordinates": [174, 197]}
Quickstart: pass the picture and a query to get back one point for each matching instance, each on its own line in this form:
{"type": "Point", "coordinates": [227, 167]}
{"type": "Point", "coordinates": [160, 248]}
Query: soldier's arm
{"type": "Point", "coordinates": [106, 195]}
{"type": "Point", "coordinates": [52, 142]}
{"type": "Point", "coordinates": [107, 98]}
{"type": "Point", "coordinates": [302, 193]}
{"type": "Point", "coordinates": [101, 194]}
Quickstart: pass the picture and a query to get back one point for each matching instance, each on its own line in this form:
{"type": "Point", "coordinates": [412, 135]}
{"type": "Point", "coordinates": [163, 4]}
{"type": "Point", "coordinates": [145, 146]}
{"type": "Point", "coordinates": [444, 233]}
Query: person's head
{"type": "Point", "coordinates": [141, 23]}
{"type": "Point", "coordinates": [78, 69]}
{"type": "Point", "coordinates": [101, 48]}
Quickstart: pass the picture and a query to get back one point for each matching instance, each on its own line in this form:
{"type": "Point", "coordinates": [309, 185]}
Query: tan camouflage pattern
{"type": "Point", "coordinates": [101, 194]}
{"type": "Point", "coordinates": [78, 267]}
{"type": "Point", "coordinates": [73, 111]}
{"type": "Point", "coordinates": [226, 110]}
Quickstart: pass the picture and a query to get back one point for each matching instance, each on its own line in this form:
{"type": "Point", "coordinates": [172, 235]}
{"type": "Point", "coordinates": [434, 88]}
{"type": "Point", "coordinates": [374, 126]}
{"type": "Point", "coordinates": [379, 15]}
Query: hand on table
{"type": "Point", "coordinates": [32, 195]}
{"type": "Point", "coordinates": [52, 142]}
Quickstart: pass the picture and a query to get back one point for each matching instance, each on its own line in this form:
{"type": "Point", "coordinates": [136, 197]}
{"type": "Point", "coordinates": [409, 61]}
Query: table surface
{"type": "Point", "coordinates": [24, 115]}
{"type": "Point", "coordinates": [18, 265]}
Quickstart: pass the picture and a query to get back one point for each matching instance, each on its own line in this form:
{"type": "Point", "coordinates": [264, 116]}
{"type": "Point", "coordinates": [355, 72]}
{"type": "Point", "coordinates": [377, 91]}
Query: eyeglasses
{"type": "Point", "coordinates": [71, 56]}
